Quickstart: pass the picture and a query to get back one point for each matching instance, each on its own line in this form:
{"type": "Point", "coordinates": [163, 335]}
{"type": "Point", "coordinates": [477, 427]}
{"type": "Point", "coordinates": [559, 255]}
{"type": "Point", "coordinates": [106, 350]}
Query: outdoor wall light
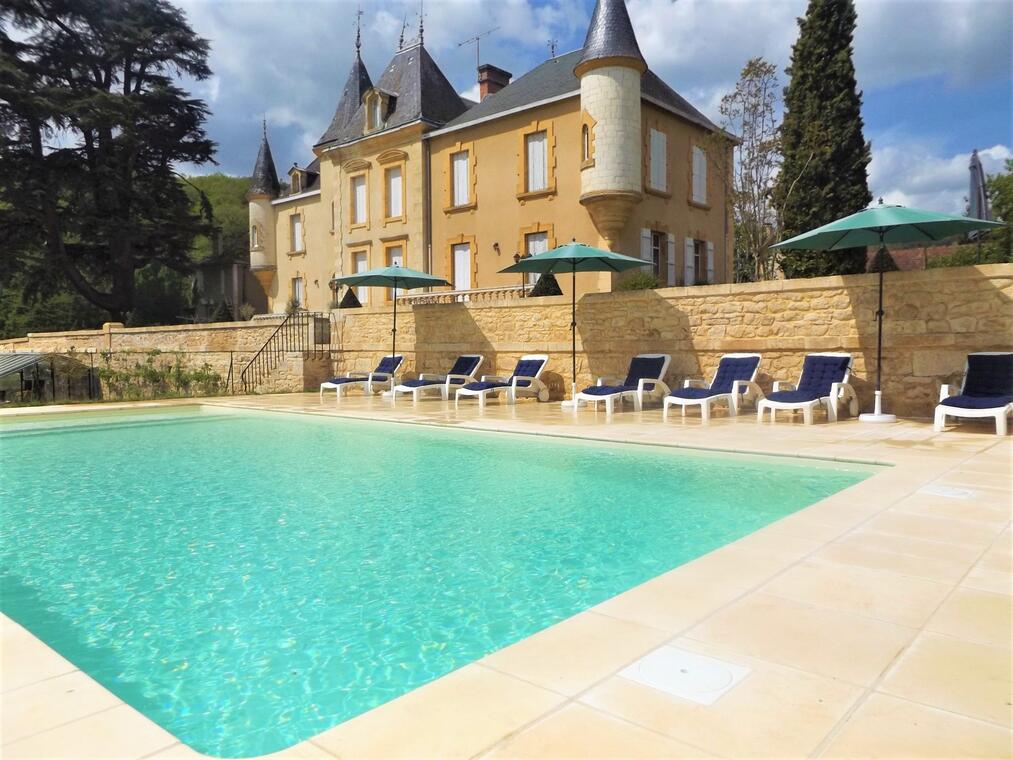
{"type": "Point", "coordinates": [495, 247]}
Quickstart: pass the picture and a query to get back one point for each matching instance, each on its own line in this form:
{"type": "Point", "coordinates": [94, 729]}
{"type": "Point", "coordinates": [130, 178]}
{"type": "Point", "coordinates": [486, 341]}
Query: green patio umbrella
{"type": "Point", "coordinates": [392, 277]}
{"type": "Point", "coordinates": [880, 225]}
{"type": "Point", "coordinates": [575, 257]}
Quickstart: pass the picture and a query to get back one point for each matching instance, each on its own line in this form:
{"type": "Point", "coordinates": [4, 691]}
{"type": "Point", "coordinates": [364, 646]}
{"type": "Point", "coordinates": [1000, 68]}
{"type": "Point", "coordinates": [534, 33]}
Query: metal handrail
{"type": "Point", "coordinates": [294, 334]}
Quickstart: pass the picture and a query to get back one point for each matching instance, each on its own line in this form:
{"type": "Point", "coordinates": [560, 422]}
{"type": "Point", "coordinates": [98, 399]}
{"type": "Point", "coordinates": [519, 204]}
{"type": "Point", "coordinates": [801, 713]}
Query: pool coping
{"type": "Point", "coordinates": [528, 696]}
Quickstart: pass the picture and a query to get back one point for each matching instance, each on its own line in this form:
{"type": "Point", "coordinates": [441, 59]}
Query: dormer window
{"type": "Point", "coordinates": [374, 113]}
{"type": "Point", "coordinates": [296, 183]}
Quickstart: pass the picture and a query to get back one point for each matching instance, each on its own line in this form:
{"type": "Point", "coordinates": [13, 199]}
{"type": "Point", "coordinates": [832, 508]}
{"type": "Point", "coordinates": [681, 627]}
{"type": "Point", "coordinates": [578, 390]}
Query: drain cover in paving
{"type": "Point", "coordinates": [948, 491]}
{"type": "Point", "coordinates": [685, 674]}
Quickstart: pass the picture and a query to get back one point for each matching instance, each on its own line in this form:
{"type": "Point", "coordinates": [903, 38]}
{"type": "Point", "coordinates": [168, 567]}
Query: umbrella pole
{"type": "Point", "coordinates": [573, 334]}
{"type": "Point", "coordinates": [393, 339]}
{"type": "Point", "coordinates": [877, 414]}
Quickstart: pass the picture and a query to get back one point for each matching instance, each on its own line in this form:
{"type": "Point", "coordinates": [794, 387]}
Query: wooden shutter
{"type": "Point", "coordinates": [688, 251]}
{"type": "Point", "coordinates": [461, 189]}
{"type": "Point", "coordinates": [671, 259]}
{"type": "Point", "coordinates": [699, 175]}
{"type": "Point", "coordinates": [645, 245]}
{"type": "Point", "coordinates": [710, 262]}
{"type": "Point", "coordinates": [394, 191]}
{"type": "Point", "coordinates": [536, 165]}
{"type": "Point", "coordinates": [659, 160]}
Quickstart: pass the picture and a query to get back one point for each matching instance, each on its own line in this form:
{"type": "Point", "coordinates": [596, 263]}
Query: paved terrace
{"type": "Point", "coordinates": [875, 623]}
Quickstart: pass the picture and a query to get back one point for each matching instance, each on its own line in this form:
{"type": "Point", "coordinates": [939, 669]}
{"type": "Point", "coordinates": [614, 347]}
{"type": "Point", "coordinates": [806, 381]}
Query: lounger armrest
{"type": "Point", "coordinates": [660, 386]}
{"type": "Point", "coordinates": [463, 378]}
{"type": "Point", "coordinates": [432, 376]}
{"type": "Point", "coordinates": [363, 375]}
{"type": "Point", "coordinates": [783, 385]}
{"type": "Point", "coordinates": [944, 392]}
{"type": "Point", "coordinates": [493, 379]}
{"type": "Point", "coordinates": [609, 380]}
{"type": "Point", "coordinates": [747, 388]}
{"type": "Point", "coordinates": [531, 379]}
{"type": "Point", "coordinates": [381, 376]}
{"type": "Point", "coordinates": [694, 382]}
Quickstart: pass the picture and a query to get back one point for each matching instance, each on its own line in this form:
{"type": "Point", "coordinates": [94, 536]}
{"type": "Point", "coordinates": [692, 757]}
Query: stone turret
{"type": "Point", "coordinates": [609, 71]}
{"type": "Point", "coordinates": [264, 187]}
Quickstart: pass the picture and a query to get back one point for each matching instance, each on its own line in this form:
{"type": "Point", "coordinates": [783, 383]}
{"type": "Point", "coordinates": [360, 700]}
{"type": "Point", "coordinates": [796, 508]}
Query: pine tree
{"type": "Point", "coordinates": [823, 176]}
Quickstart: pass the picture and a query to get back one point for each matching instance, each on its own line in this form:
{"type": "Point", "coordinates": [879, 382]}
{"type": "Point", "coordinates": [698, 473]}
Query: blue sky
{"type": "Point", "coordinates": [935, 73]}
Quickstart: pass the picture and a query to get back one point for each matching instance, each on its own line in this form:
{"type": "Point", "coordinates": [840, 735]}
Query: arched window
{"type": "Point", "coordinates": [254, 237]}
{"type": "Point", "coordinates": [585, 143]}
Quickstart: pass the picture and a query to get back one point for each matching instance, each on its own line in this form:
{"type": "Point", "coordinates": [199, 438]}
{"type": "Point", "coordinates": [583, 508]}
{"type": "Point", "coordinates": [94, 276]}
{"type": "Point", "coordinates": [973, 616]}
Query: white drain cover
{"type": "Point", "coordinates": [685, 674]}
{"type": "Point", "coordinates": [948, 491]}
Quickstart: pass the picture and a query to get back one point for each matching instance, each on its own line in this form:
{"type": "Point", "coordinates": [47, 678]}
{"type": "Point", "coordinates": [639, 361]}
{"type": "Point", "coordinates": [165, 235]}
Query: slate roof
{"type": "Point", "coordinates": [351, 98]}
{"type": "Point", "coordinates": [555, 77]}
{"type": "Point", "coordinates": [610, 34]}
{"type": "Point", "coordinates": [422, 93]}
{"type": "Point", "coordinates": [265, 178]}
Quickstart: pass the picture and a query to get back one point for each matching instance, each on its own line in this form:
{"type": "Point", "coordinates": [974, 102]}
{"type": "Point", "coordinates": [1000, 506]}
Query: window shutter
{"type": "Point", "coordinates": [536, 164]}
{"type": "Point", "coordinates": [659, 160]}
{"type": "Point", "coordinates": [394, 192]}
{"type": "Point", "coordinates": [699, 175]}
{"type": "Point", "coordinates": [359, 188]}
{"type": "Point", "coordinates": [710, 262]}
{"type": "Point", "coordinates": [671, 259]}
{"type": "Point", "coordinates": [690, 269]}
{"type": "Point", "coordinates": [645, 245]}
{"type": "Point", "coordinates": [461, 189]}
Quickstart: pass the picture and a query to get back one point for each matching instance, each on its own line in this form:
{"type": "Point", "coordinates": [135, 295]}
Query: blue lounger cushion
{"type": "Point", "coordinates": [420, 383]}
{"type": "Point", "coordinates": [524, 368]}
{"type": "Point", "coordinates": [966, 401]}
{"type": "Point", "coordinates": [388, 364]}
{"type": "Point", "coordinates": [343, 380]}
{"type": "Point", "coordinates": [693, 394]}
{"type": "Point", "coordinates": [732, 368]}
{"type": "Point", "coordinates": [989, 375]}
{"type": "Point", "coordinates": [485, 386]}
{"type": "Point", "coordinates": [465, 365]}
{"type": "Point", "coordinates": [608, 390]}
{"type": "Point", "coordinates": [819, 373]}
{"type": "Point", "coordinates": [796, 397]}
{"type": "Point", "coordinates": [641, 368]}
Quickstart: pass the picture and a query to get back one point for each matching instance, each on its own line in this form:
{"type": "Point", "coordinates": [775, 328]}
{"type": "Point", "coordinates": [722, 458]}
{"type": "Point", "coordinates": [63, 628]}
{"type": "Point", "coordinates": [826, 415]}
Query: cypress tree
{"type": "Point", "coordinates": [823, 176]}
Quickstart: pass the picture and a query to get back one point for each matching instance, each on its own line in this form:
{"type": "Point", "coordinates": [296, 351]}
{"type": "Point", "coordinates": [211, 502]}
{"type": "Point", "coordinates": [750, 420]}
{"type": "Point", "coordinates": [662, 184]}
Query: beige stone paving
{"type": "Point", "coordinates": [875, 623]}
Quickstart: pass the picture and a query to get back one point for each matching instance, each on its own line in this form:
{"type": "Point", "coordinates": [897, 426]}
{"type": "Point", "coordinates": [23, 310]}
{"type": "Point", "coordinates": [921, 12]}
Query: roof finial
{"type": "Point", "coordinates": [263, 125]}
{"type": "Point", "coordinates": [400, 40]}
{"type": "Point", "coordinates": [358, 29]}
{"type": "Point", "coordinates": [422, 16]}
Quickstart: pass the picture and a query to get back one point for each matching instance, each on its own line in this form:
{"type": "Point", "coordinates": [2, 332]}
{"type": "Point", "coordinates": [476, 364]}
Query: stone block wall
{"type": "Point", "coordinates": [933, 319]}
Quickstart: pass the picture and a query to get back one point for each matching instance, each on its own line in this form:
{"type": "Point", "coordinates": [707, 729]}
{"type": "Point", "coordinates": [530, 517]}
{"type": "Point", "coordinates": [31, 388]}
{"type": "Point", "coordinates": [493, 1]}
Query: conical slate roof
{"type": "Point", "coordinates": [610, 35]}
{"type": "Point", "coordinates": [417, 90]}
{"type": "Point", "coordinates": [265, 178]}
{"type": "Point", "coordinates": [351, 97]}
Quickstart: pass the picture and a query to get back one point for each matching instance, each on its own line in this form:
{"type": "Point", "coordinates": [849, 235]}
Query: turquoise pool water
{"type": "Point", "coordinates": [249, 580]}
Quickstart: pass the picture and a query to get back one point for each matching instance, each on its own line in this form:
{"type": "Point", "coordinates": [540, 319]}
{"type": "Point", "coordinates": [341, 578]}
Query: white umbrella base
{"type": "Point", "coordinates": [877, 415]}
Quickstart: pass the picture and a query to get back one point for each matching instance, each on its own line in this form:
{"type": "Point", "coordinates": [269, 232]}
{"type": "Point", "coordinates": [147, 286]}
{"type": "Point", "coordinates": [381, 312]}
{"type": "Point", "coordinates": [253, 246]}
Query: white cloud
{"type": "Point", "coordinates": [914, 174]}
{"type": "Point", "coordinates": [472, 93]}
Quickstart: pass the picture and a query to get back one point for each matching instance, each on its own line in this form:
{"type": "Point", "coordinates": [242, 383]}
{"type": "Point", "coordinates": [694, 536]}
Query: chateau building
{"type": "Point", "coordinates": [590, 145]}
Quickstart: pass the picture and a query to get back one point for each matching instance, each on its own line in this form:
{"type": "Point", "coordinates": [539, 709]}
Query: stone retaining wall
{"type": "Point", "coordinates": [933, 319]}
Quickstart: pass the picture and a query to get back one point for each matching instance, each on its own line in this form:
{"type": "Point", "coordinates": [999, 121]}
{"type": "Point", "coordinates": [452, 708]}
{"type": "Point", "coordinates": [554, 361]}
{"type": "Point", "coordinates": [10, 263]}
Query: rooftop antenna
{"type": "Point", "coordinates": [552, 47]}
{"type": "Point", "coordinates": [477, 39]}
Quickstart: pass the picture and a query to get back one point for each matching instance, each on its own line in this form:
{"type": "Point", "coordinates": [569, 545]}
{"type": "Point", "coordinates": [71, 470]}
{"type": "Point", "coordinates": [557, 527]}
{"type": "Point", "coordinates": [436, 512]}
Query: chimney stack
{"type": "Point", "coordinates": [491, 79]}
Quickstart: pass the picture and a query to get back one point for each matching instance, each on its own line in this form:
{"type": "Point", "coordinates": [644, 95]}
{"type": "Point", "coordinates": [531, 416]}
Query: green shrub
{"type": "Point", "coordinates": [246, 312]}
{"type": "Point", "coordinates": [638, 281]}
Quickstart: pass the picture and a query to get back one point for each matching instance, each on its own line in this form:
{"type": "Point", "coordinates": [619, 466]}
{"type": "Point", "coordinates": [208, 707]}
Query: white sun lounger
{"type": "Point", "coordinates": [462, 373]}
{"type": "Point", "coordinates": [733, 382]}
{"type": "Point", "coordinates": [824, 382]}
{"type": "Point", "coordinates": [985, 391]}
{"type": "Point", "coordinates": [380, 379]}
{"type": "Point", "coordinates": [644, 379]}
{"type": "Point", "coordinates": [523, 382]}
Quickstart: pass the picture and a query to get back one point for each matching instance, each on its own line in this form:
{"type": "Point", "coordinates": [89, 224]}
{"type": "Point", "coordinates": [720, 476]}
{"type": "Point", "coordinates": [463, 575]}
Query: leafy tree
{"type": "Point", "coordinates": [227, 197]}
{"type": "Point", "coordinates": [824, 175]}
{"type": "Point", "coordinates": [92, 124]}
{"type": "Point", "coordinates": [750, 112]}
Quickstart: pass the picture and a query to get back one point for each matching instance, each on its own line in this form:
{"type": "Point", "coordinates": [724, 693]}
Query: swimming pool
{"type": "Point", "coordinates": [248, 580]}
